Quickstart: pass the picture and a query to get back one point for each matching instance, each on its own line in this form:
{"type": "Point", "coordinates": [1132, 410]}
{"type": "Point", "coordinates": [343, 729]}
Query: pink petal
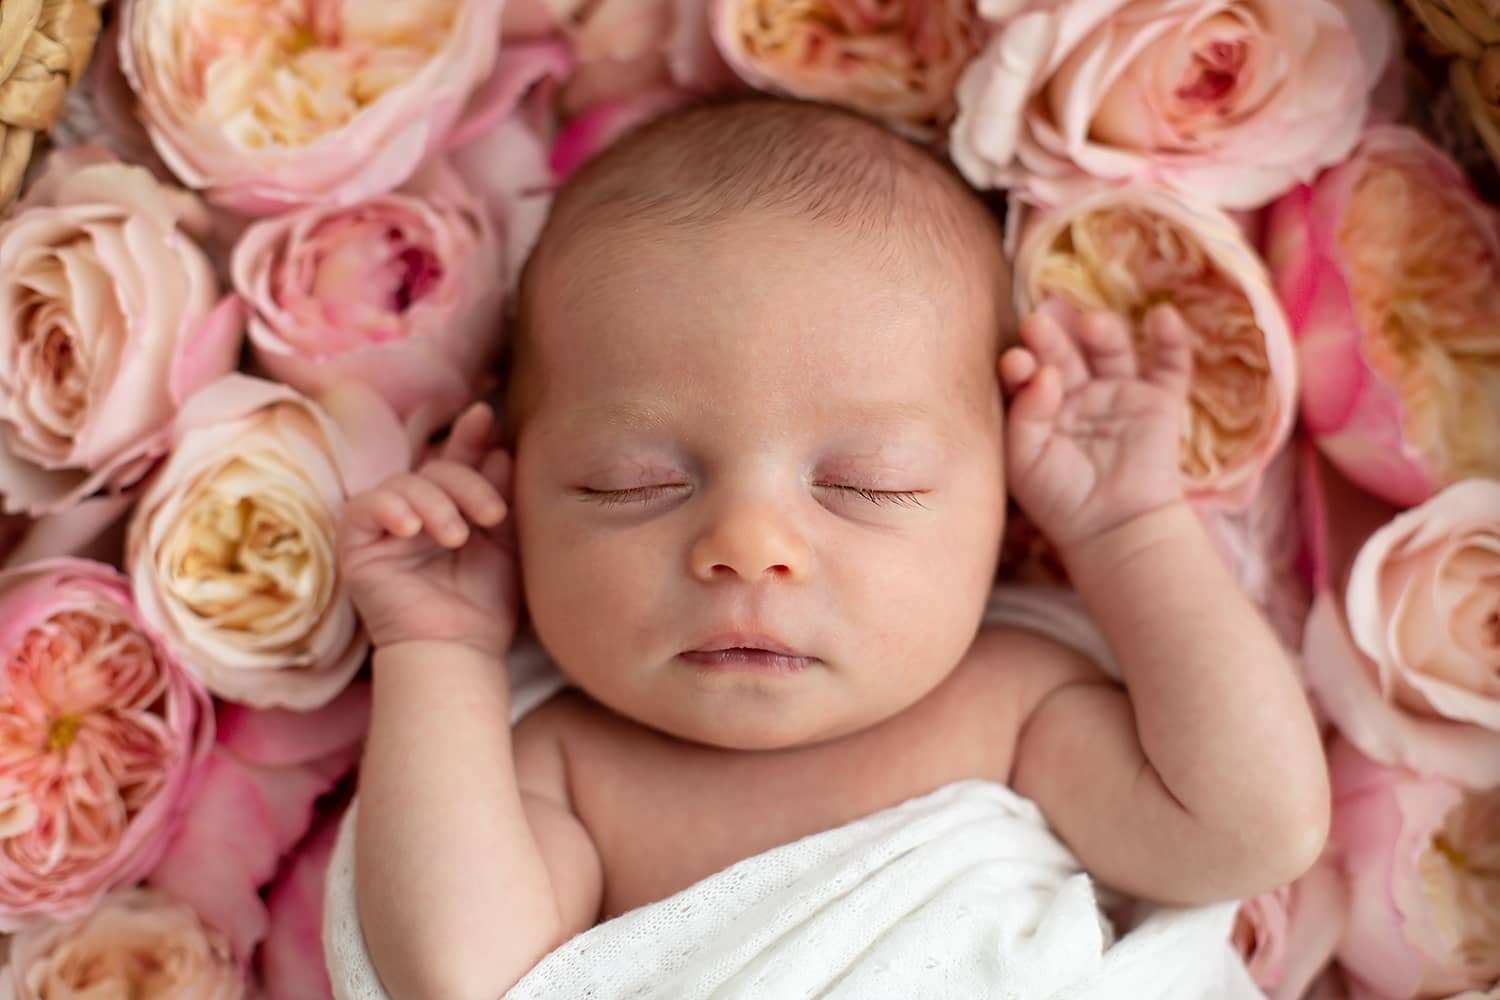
{"type": "Point", "coordinates": [281, 737]}
{"type": "Point", "coordinates": [211, 351]}
{"type": "Point", "coordinates": [291, 960]}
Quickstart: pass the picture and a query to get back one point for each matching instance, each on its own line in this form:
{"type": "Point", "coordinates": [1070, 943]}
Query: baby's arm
{"type": "Point", "coordinates": [467, 874]}
{"type": "Point", "coordinates": [1209, 781]}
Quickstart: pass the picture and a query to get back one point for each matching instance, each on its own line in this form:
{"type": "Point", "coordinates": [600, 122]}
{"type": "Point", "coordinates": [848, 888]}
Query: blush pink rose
{"type": "Point", "coordinates": [109, 319]}
{"type": "Point", "coordinates": [267, 771]}
{"type": "Point", "coordinates": [1388, 267]}
{"type": "Point", "coordinates": [292, 966]}
{"type": "Point", "coordinates": [1407, 664]}
{"type": "Point", "coordinates": [1287, 937]}
{"type": "Point", "coordinates": [102, 735]}
{"type": "Point", "coordinates": [898, 62]}
{"type": "Point", "coordinates": [1422, 858]}
{"type": "Point", "coordinates": [230, 549]}
{"type": "Point", "coordinates": [401, 291]}
{"type": "Point", "coordinates": [1231, 101]}
{"type": "Point", "coordinates": [136, 944]}
{"type": "Point", "coordinates": [1127, 249]}
{"type": "Point", "coordinates": [267, 105]}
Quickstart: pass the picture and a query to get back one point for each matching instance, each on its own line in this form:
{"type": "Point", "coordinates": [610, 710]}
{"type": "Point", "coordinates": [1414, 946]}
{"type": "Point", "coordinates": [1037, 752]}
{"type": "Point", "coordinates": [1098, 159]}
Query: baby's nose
{"type": "Point", "coordinates": [750, 542]}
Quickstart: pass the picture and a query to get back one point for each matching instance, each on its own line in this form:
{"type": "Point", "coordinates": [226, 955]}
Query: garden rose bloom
{"type": "Point", "coordinates": [1407, 665]}
{"type": "Point", "coordinates": [401, 291]}
{"type": "Point", "coordinates": [898, 62]}
{"type": "Point", "coordinates": [1128, 249]}
{"type": "Point", "coordinates": [267, 105]}
{"type": "Point", "coordinates": [108, 321]}
{"type": "Point", "coordinates": [1232, 101]}
{"type": "Point", "coordinates": [136, 944]}
{"type": "Point", "coordinates": [231, 547]}
{"type": "Point", "coordinates": [101, 736]}
{"type": "Point", "coordinates": [1423, 861]}
{"type": "Point", "coordinates": [292, 966]}
{"type": "Point", "coordinates": [1287, 936]}
{"type": "Point", "coordinates": [1388, 267]}
{"type": "Point", "coordinates": [266, 771]}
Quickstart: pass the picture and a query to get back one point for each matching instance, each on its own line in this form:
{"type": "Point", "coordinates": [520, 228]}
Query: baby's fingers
{"type": "Point", "coordinates": [469, 438]}
{"type": "Point", "coordinates": [1053, 344]}
{"type": "Point", "coordinates": [371, 515]}
{"type": "Point", "coordinates": [1171, 350]}
{"type": "Point", "coordinates": [438, 511]}
{"type": "Point", "coordinates": [476, 497]}
{"type": "Point", "coordinates": [1106, 344]}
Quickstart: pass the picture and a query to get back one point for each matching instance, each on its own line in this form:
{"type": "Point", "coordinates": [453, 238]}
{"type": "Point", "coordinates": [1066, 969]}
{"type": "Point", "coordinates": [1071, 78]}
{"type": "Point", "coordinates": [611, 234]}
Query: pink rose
{"type": "Point", "coordinates": [1422, 856]}
{"type": "Point", "coordinates": [267, 105]}
{"type": "Point", "coordinates": [231, 547]}
{"type": "Point", "coordinates": [102, 735]}
{"type": "Point", "coordinates": [1232, 101]}
{"type": "Point", "coordinates": [1388, 267]}
{"type": "Point", "coordinates": [292, 966]}
{"type": "Point", "coordinates": [136, 944]}
{"type": "Point", "coordinates": [1407, 664]}
{"type": "Point", "coordinates": [401, 291]}
{"type": "Point", "coordinates": [898, 62]}
{"type": "Point", "coordinates": [107, 323]}
{"type": "Point", "coordinates": [1287, 937]}
{"type": "Point", "coordinates": [1127, 249]}
{"type": "Point", "coordinates": [265, 774]}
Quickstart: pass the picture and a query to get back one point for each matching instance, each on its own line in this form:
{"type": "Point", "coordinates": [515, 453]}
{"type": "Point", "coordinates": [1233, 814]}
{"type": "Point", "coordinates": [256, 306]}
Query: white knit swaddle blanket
{"type": "Point", "coordinates": [963, 893]}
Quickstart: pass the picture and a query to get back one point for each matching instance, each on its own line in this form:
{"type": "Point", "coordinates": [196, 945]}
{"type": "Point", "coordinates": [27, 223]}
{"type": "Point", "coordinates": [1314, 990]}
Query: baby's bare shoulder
{"type": "Point", "coordinates": [1021, 668]}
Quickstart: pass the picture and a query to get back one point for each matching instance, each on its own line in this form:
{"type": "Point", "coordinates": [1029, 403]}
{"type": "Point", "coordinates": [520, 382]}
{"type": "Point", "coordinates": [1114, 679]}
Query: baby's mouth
{"type": "Point", "coordinates": [757, 654]}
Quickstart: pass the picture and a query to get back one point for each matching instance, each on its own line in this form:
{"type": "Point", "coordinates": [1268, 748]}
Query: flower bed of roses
{"type": "Point", "coordinates": [282, 262]}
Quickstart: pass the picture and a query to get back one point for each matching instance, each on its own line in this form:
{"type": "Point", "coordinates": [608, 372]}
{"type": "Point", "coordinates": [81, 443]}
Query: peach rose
{"type": "Point", "coordinates": [1127, 249]}
{"type": "Point", "coordinates": [1232, 101]}
{"type": "Point", "coordinates": [895, 61]}
{"type": "Point", "coordinates": [267, 105]}
{"type": "Point", "coordinates": [1407, 665]}
{"type": "Point", "coordinates": [108, 321]}
{"type": "Point", "coordinates": [231, 548]}
{"type": "Point", "coordinates": [1388, 267]}
{"type": "Point", "coordinates": [102, 735]}
{"type": "Point", "coordinates": [401, 291]}
{"type": "Point", "coordinates": [136, 944]}
{"type": "Point", "coordinates": [1422, 857]}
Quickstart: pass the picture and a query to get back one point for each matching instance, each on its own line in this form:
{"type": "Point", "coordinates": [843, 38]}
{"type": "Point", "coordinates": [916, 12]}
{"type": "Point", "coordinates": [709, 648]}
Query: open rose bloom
{"type": "Point", "coordinates": [401, 291]}
{"type": "Point", "coordinates": [896, 61]}
{"type": "Point", "coordinates": [1389, 268]}
{"type": "Point", "coordinates": [1407, 664]}
{"type": "Point", "coordinates": [231, 549]}
{"type": "Point", "coordinates": [136, 944]}
{"type": "Point", "coordinates": [109, 319]}
{"type": "Point", "coordinates": [1422, 857]}
{"type": "Point", "coordinates": [101, 737]}
{"type": "Point", "coordinates": [267, 105]}
{"type": "Point", "coordinates": [1129, 249]}
{"type": "Point", "coordinates": [1231, 101]}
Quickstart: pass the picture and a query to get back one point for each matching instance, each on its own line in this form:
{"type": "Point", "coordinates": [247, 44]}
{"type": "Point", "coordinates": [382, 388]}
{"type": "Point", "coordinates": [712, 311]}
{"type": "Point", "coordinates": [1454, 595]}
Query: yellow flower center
{"type": "Point", "coordinates": [61, 732]}
{"type": "Point", "coordinates": [1460, 878]}
{"type": "Point", "coordinates": [1425, 280]}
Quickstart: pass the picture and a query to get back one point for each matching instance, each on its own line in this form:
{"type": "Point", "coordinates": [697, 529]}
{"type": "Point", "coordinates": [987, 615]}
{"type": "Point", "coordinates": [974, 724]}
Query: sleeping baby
{"type": "Point", "coordinates": [765, 404]}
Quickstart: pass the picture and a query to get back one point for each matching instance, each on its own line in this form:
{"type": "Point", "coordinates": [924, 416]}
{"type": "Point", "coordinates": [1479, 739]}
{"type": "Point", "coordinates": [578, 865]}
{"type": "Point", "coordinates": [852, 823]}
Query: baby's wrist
{"type": "Point", "coordinates": [1101, 555]}
{"type": "Point", "coordinates": [428, 651]}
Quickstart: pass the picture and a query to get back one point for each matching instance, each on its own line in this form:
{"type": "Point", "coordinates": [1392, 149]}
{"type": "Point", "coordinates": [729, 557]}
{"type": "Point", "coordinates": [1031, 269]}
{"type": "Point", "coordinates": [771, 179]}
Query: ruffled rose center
{"type": "Point", "coordinates": [1425, 276]}
{"type": "Point", "coordinates": [278, 74]}
{"type": "Point", "coordinates": [84, 745]}
{"type": "Point", "coordinates": [1460, 877]}
{"type": "Point", "coordinates": [146, 948]}
{"type": "Point", "coordinates": [359, 277]}
{"type": "Point", "coordinates": [1128, 260]}
{"type": "Point", "coordinates": [892, 58]}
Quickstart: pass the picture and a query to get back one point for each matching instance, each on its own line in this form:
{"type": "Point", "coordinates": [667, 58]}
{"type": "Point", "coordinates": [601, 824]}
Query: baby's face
{"type": "Point", "coordinates": [759, 436]}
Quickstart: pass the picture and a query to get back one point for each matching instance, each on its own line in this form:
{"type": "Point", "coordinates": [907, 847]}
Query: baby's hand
{"type": "Point", "coordinates": [1092, 440]}
{"type": "Point", "coordinates": [415, 568]}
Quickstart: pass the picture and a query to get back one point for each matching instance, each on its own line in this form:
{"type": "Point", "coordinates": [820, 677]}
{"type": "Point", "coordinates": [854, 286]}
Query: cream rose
{"type": "Point", "coordinates": [108, 321]}
{"type": "Point", "coordinates": [1127, 249]}
{"type": "Point", "coordinates": [1408, 665]}
{"type": "Point", "coordinates": [136, 944]}
{"type": "Point", "coordinates": [1232, 101]}
{"type": "Point", "coordinates": [231, 548]}
{"type": "Point", "coordinates": [898, 62]}
{"type": "Point", "coordinates": [401, 291]}
{"type": "Point", "coordinates": [267, 105]}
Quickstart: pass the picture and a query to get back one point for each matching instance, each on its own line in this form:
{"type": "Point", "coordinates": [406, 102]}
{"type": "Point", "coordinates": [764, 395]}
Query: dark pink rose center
{"type": "Point", "coordinates": [1216, 68]}
{"type": "Point", "coordinates": [419, 271]}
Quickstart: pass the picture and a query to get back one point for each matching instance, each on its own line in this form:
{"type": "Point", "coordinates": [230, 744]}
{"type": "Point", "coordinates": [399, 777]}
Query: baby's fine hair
{"type": "Point", "coordinates": [696, 168]}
